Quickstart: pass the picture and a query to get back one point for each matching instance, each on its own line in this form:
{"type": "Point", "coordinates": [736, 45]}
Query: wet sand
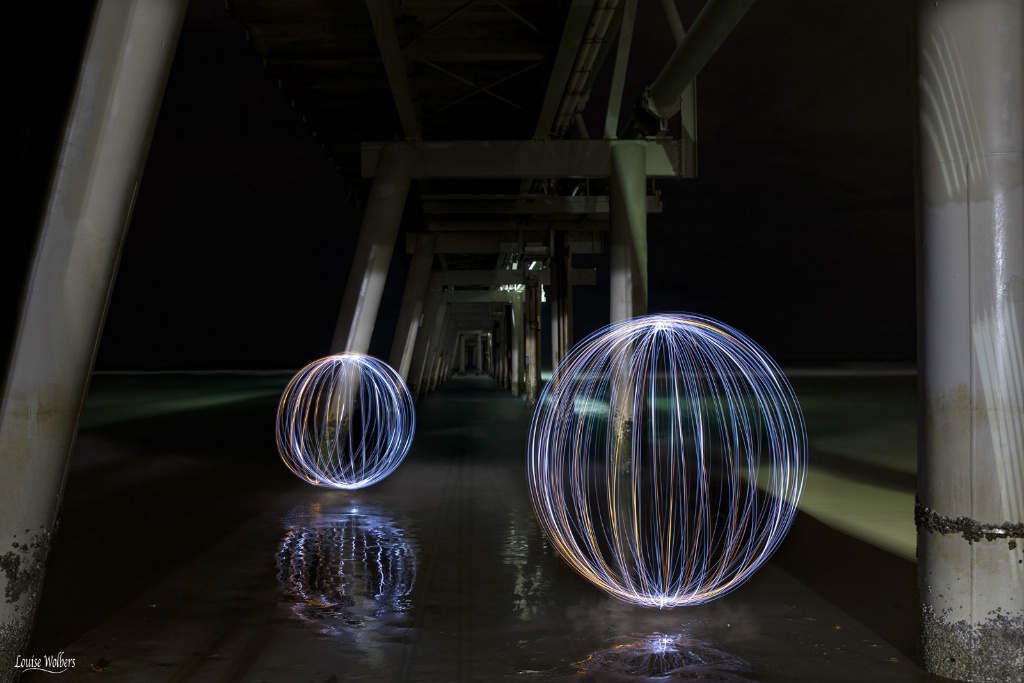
{"type": "Point", "coordinates": [188, 552]}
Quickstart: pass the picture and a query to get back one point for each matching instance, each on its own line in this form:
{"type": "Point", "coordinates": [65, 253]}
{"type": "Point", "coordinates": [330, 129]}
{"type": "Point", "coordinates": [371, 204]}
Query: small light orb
{"type": "Point", "coordinates": [345, 421]}
{"type": "Point", "coordinates": [666, 457]}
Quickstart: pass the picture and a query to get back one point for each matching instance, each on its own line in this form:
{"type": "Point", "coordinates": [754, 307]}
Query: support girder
{"type": "Point", "coordinates": [383, 20]}
{"type": "Point", "coordinates": [532, 244]}
{"type": "Point", "coordinates": [527, 159]}
{"type": "Point", "coordinates": [530, 204]}
{"type": "Point", "coordinates": [572, 37]}
{"type": "Point", "coordinates": [497, 278]}
{"type": "Point", "coordinates": [712, 26]}
{"type": "Point", "coordinates": [483, 296]}
{"type": "Point", "coordinates": [513, 224]}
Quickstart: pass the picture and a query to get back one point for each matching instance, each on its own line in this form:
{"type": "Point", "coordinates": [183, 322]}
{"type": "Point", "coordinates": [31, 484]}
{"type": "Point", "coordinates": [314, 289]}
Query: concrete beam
{"type": "Point", "coordinates": [479, 296]}
{"type": "Point", "coordinates": [712, 26]}
{"type": "Point", "coordinates": [383, 19]}
{"type": "Point", "coordinates": [538, 205]}
{"type": "Point", "coordinates": [532, 244]}
{"type": "Point", "coordinates": [487, 243]}
{"type": "Point", "coordinates": [497, 278]}
{"type": "Point", "coordinates": [512, 225]}
{"type": "Point", "coordinates": [611, 121]}
{"type": "Point", "coordinates": [572, 37]}
{"type": "Point", "coordinates": [526, 159]}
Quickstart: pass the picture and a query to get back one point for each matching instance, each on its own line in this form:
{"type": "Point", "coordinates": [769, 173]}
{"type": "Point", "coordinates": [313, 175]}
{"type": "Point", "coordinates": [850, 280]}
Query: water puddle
{"type": "Point", "coordinates": [344, 569]}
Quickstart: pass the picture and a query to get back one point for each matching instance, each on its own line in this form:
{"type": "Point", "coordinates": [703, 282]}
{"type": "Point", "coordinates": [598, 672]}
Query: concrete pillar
{"type": "Point", "coordinates": [554, 298]}
{"type": "Point", "coordinates": [492, 369]}
{"type": "Point", "coordinates": [438, 352]}
{"type": "Point", "coordinates": [448, 354]}
{"type": "Point", "coordinates": [501, 348]}
{"type": "Point", "coordinates": [409, 315]}
{"type": "Point", "coordinates": [970, 513]}
{"type": "Point", "coordinates": [516, 366]}
{"type": "Point", "coordinates": [462, 354]}
{"type": "Point", "coordinates": [421, 349]}
{"type": "Point", "coordinates": [435, 371]}
{"type": "Point", "coordinates": [561, 298]}
{"type": "Point", "coordinates": [446, 350]}
{"type": "Point", "coordinates": [479, 357]}
{"type": "Point", "coordinates": [532, 341]}
{"type": "Point", "coordinates": [372, 258]}
{"type": "Point", "coordinates": [121, 81]}
{"type": "Point", "coordinates": [628, 230]}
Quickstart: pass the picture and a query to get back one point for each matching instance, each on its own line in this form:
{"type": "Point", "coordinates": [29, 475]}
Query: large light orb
{"type": "Point", "coordinates": [666, 457]}
{"type": "Point", "coordinates": [345, 421]}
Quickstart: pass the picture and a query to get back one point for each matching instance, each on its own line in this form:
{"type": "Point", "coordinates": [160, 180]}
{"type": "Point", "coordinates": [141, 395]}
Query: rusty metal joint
{"type": "Point", "coordinates": [646, 120]}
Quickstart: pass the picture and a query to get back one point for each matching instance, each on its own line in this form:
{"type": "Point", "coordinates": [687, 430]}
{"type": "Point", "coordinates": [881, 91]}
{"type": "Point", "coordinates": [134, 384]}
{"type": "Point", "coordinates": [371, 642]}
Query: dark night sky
{"type": "Point", "coordinates": [799, 230]}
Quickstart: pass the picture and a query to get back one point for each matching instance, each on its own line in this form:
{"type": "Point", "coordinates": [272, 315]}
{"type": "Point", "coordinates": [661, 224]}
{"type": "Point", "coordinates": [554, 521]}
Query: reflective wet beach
{"type": "Point", "coordinates": [188, 552]}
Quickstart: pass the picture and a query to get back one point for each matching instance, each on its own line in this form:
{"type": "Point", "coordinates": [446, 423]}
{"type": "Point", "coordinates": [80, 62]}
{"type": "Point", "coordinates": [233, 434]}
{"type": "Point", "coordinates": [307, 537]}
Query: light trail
{"type": "Point", "coordinates": [345, 421]}
{"type": "Point", "coordinates": [654, 497]}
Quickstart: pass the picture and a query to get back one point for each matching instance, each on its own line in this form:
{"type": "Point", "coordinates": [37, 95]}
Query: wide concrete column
{"type": "Point", "coordinates": [411, 311]}
{"type": "Point", "coordinates": [628, 230]}
{"type": "Point", "coordinates": [369, 271]}
{"type": "Point", "coordinates": [532, 340]}
{"type": "Point", "coordinates": [970, 513]}
{"type": "Point", "coordinates": [121, 81]}
{"type": "Point", "coordinates": [462, 354]}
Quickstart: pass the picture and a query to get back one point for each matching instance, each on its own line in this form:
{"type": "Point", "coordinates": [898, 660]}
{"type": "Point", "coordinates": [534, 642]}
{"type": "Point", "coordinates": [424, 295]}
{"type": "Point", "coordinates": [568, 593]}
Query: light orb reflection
{"type": "Point", "coordinates": [666, 458]}
{"type": "Point", "coordinates": [662, 656]}
{"type": "Point", "coordinates": [344, 570]}
{"type": "Point", "coordinates": [345, 421]}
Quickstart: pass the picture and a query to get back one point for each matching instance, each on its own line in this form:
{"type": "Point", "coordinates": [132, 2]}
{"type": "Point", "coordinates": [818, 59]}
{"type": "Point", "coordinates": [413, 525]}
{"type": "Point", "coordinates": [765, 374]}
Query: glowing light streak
{"type": "Point", "coordinates": [645, 453]}
{"type": "Point", "coordinates": [345, 421]}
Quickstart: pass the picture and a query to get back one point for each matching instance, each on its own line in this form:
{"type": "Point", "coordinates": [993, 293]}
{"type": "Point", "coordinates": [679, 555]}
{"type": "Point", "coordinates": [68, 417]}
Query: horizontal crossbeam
{"type": "Point", "coordinates": [527, 159]}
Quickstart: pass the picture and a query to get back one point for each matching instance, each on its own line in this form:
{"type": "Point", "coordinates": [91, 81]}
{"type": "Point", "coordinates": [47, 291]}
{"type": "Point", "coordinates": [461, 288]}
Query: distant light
{"type": "Point", "coordinates": [345, 421]}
